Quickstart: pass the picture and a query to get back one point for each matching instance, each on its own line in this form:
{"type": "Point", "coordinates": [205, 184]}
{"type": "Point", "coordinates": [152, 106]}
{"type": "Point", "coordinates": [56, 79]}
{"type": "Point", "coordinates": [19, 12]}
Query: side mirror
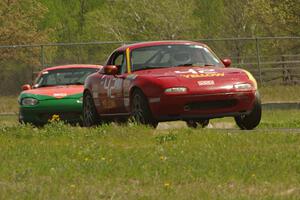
{"type": "Point", "coordinates": [26, 87]}
{"type": "Point", "coordinates": [111, 70]}
{"type": "Point", "coordinates": [226, 62]}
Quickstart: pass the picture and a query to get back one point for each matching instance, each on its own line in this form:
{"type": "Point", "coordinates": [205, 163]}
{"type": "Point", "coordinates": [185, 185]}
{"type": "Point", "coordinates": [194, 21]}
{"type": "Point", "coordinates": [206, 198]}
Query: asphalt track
{"type": "Point", "coordinates": [222, 126]}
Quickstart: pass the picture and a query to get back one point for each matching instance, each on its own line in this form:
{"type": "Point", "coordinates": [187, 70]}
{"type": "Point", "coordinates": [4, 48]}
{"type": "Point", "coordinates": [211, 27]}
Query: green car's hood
{"type": "Point", "coordinates": [54, 92]}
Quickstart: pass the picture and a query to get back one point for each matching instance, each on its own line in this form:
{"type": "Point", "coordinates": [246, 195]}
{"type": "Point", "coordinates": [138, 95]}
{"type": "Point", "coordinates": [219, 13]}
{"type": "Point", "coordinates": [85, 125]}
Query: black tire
{"type": "Point", "coordinates": [90, 116]}
{"type": "Point", "coordinates": [140, 110]}
{"type": "Point", "coordinates": [21, 121]}
{"type": "Point", "coordinates": [251, 120]}
{"type": "Point", "coordinates": [121, 121]}
{"type": "Point", "coordinates": [197, 123]}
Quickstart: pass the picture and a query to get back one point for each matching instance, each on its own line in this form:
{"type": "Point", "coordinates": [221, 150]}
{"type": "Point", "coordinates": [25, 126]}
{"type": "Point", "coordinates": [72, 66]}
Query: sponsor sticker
{"type": "Point", "coordinates": [196, 73]}
{"type": "Point", "coordinates": [59, 95]}
{"type": "Point", "coordinates": [202, 75]}
{"type": "Point", "coordinates": [208, 82]}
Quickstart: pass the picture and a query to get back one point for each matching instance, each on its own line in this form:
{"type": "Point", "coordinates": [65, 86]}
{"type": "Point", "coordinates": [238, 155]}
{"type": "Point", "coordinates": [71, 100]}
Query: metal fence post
{"type": "Point", "coordinates": [42, 56]}
{"type": "Point", "coordinates": [258, 59]}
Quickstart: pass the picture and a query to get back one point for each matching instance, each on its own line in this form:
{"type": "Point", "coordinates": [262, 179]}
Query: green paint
{"type": "Point", "coordinates": [68, 108]}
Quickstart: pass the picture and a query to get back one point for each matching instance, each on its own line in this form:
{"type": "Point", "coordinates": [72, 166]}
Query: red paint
{"type": "Point", "coordinates": [72, 66]}
{"type": "Point", "coordinates": [111, 93]}
{"type": "Point", "coordinates": [157, 43]}
{"type": "Point", "coordinates": [110, 69]}
{"type": "Point", "coordinates": [226, 62]}
{"type": "Point", "coordinates": [26, 87]}
{"type": "Point", "coordinates": [61, 90]}
{"type": "Point", "coordinates": [57, 91]}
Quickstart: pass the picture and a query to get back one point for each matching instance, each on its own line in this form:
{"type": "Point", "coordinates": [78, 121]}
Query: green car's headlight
{"type": "Point", "coordinates": [29, 102]}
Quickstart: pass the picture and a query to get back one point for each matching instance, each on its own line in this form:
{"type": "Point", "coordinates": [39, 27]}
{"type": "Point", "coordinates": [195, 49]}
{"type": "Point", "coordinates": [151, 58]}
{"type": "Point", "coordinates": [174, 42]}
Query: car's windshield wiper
{"type": "Point", "coordinates": [194, 64]}
{"type": "Point", "coordinates": [44, 86]}
{"type": "Point", "coordinates": [206, 65]}
{"type": "Point", "coordinates": [75, 83]}
{"type": "Point", "coordinates": [186, 64]}
{"type": "Point", "coordinates": [147, 67]}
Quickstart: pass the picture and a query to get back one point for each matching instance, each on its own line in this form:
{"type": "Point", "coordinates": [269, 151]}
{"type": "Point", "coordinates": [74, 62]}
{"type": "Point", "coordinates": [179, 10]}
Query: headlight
{"type": "Point", "coordinates": [176, 90]}
{"type": "Point", "coordinates": [251, 78]}
{"type": "Point", "coordinates": [29, 102]}
{"type": "Point", "coordinates": [242, 86]}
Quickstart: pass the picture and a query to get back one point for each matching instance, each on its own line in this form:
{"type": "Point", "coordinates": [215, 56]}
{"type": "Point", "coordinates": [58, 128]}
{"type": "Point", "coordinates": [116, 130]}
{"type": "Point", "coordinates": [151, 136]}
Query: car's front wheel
{"type": "Point", "coordinates": [140, 110]}
{"type": "Point", "coordinates": [90, 115]}
{"type": "Point", "coordinates": [197, 123]}
{"type": "Point", "coordinates": [251, 120]}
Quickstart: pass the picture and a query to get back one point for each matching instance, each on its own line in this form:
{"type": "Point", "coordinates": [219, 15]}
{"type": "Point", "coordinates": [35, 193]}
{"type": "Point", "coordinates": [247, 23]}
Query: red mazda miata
{"type": "Point", "coordinates": [170, 80]}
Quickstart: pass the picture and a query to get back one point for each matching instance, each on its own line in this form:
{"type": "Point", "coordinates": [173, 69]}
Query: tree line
{"type": "Point", "coordinates": [56, 21]}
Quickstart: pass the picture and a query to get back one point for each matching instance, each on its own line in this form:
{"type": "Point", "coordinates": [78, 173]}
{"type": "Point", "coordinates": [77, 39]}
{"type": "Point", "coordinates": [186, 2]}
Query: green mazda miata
{"type": "Point", "coordinates": [55, 95]}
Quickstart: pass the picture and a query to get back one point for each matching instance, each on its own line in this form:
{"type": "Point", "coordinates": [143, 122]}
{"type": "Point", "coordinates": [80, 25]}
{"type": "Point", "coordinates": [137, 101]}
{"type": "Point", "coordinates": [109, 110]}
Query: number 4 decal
{"type": "Point", "coordinates": [109, 84]}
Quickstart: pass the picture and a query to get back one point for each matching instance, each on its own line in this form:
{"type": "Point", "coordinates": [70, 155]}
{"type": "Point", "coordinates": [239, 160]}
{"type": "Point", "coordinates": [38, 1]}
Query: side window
{"type": "Point", "coordinates": [118, 59]}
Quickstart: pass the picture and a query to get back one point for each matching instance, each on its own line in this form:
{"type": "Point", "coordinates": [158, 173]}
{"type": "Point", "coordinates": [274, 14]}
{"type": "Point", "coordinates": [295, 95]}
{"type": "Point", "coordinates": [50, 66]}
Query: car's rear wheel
{"type": "Point", "coordinates": [140, 110]}
{"type": "Point", "coordinates": [251, 120]}
{"type": "Point", "coordinates": [90, 115]}
{"type": "Point", "coordinates": [197, 123]}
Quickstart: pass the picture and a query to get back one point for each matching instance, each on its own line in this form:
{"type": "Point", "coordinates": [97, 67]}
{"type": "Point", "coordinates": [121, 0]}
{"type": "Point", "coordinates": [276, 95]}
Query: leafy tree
{"type": "Point", "coordinates": [211, 15]}
{"type": "Point", "coordinates": [68, 20]}
{"type": "Point", "coordinates": [145, 20]}
{"type": "Point", "coordinates": [19, 24]}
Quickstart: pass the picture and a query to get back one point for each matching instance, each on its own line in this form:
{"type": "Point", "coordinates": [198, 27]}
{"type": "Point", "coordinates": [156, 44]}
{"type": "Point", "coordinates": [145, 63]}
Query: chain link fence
{"type": "Point", "coordinates": [272, 60]}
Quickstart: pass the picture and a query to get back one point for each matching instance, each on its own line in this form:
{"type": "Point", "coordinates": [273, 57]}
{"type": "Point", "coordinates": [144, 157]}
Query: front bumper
{"type": "Point", "coordinates": [67, 109]}
{"type": "Point", "coordinates": [184, 107]}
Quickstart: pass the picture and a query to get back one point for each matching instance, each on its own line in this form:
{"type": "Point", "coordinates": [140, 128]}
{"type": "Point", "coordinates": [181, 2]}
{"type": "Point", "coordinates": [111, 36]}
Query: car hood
{"type": "Point", "coordinates": [54, 92]}
{"type": "Point", "coordinates": [191, 72]}
{"type": "Point", "coordinates": [198, 79]}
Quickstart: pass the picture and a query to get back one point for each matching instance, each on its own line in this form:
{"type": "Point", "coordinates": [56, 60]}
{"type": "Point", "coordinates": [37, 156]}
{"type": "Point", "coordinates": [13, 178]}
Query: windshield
{"type": "Point", "coordinates": [173, 55]}
{"type": "Point", "coordinates": [71, 76]}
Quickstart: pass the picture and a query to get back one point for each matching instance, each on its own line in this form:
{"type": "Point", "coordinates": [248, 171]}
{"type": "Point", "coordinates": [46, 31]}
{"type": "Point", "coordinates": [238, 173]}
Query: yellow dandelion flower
{"type": "Point", "coordinates": [163, 158]}
{"type": "Point", "coordinates": [167, 184]}
{"type": "Point", "coordinates": [54, 118]}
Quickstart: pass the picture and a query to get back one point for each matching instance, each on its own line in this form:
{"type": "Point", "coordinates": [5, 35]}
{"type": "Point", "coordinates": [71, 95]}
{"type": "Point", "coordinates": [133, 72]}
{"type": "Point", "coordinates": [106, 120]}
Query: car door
{"type": "Point", "coordinates": [112, 94]}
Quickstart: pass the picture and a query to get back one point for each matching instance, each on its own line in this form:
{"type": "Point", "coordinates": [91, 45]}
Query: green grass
{"type": "Point", "coordinates": [136, 162]}
{"type": "Point", "coordinates": [280, 93]}
{"type": "Point", "coordinates": [8, 104]}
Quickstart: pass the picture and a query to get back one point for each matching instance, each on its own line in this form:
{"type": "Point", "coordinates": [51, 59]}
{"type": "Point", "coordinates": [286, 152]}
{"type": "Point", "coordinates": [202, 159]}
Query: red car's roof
{"type": "Point", "coordinates": [72, 66]}
{"type": "Point", "coordinates": [156, 43]}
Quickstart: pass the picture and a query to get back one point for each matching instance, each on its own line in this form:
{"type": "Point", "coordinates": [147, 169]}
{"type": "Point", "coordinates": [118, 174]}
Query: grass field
{"type": "Point", "coordinates": [136, 162]}
{"type": "Point", "coordinates": [280, 93]}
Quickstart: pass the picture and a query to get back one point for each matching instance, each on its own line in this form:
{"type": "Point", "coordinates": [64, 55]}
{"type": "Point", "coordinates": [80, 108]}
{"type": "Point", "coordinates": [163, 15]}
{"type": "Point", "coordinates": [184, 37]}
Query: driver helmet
{"type": "Point", "coordinates": [181, 57]}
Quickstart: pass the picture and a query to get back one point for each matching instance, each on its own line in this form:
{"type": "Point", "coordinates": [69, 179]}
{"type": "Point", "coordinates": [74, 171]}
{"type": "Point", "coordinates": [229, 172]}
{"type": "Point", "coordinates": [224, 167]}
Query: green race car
{"type": "Point", "coordinates": [55, 95]}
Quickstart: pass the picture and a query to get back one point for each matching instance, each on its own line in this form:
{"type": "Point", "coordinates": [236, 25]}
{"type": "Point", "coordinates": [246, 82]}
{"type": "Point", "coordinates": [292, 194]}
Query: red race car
{"type": "Point", "coordinates": [170, 80]}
